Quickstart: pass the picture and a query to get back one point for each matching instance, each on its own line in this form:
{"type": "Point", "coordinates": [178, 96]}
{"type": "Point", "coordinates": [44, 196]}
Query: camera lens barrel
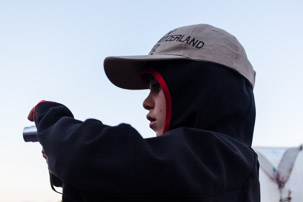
{"type": "Point", "coordinates": [30, 134]}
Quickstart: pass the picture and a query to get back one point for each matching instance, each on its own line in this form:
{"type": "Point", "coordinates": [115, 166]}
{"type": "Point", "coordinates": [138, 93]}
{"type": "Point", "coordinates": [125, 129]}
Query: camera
{"type": "Point", "coordinates": [30, 134]}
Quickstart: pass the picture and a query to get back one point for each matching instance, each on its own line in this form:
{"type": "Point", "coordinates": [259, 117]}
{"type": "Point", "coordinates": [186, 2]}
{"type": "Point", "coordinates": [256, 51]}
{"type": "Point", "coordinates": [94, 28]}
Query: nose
{"type": "Point", "coordinates": [148, 103]}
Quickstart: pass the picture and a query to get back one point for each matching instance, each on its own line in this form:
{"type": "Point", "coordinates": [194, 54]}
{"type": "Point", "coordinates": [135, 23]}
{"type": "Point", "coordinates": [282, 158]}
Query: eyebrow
{"type": "Point", "coordinates": [149, 79]}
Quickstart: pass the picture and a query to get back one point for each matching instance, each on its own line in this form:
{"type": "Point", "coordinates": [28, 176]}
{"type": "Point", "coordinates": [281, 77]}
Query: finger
{"type": "Point", "coordinates": [43, 154]}
{"type": "Point", "coordinates": [31, 114]}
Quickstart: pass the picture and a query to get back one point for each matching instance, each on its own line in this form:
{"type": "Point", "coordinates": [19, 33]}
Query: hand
{"type": "Point", "coordinates": [31, 115]}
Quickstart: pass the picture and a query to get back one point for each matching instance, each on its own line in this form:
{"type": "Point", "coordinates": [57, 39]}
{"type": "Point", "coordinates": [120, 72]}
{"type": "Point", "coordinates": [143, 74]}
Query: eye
{"type": "Point", "coordinates": [155, 87]}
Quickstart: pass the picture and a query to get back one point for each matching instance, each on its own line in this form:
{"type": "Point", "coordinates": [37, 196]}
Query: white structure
{"type": "Point", "coordinates": [281, 174]}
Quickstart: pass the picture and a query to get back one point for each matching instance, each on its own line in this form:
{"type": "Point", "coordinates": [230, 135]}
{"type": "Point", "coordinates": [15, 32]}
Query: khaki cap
{"type": "Point", "coordinates": [199, 42]}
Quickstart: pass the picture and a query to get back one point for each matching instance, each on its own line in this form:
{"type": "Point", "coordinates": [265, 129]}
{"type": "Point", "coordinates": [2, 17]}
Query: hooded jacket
{"type": "Point", "coordinates": [203, 155]}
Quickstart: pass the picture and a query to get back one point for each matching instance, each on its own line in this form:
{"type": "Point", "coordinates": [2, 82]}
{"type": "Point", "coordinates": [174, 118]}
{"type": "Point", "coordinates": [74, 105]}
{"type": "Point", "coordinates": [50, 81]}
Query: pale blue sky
{"type": "Point", "coordinates": [54, 50]}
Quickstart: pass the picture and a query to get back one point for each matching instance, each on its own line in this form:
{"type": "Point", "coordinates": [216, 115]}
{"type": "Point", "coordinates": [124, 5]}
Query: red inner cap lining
{"type": "Point", "coordinates": [167, 96]}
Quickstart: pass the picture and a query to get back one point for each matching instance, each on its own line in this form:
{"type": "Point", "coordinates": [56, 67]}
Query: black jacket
{"type": "Point", "coordinates": [204, 156]}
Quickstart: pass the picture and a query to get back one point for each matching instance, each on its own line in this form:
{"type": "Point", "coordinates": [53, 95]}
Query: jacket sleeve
{"type": "Point", "coordinates": [118, 161]}
{"type": "Point", "coordinates": [86, 154]}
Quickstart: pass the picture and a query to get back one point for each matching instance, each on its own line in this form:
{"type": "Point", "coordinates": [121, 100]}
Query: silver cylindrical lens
{"type": "Point", "coordinates": [30, 134]}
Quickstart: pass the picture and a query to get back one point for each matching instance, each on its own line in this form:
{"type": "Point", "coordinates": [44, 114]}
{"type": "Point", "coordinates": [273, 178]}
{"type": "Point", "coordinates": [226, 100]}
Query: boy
{"type": "Point", "coordinates": [201, 106]}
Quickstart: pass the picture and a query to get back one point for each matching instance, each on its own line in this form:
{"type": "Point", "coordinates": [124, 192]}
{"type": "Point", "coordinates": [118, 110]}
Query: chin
{"type": "Point", "coordinates": [158, 134]}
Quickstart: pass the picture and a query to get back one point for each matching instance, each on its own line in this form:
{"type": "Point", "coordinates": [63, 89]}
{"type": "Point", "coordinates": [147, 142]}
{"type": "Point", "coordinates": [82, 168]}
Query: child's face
{"type": "Point", "coordinates": [156, 105]}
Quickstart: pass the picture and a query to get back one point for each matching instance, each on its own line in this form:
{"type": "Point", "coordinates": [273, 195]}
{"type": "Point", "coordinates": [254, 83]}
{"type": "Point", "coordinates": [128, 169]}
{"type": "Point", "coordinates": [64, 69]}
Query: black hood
{"type": "Point", "coordinates": [207, 96]}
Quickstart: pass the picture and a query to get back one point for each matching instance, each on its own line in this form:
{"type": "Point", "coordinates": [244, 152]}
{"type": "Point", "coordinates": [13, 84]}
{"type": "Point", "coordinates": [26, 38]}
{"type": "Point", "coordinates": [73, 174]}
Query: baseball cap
{"type": "Point", "coordinates": [201, 42]}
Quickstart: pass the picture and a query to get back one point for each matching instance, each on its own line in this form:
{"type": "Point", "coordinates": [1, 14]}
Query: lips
{"type": "Point", "coordinates": [152, 121]}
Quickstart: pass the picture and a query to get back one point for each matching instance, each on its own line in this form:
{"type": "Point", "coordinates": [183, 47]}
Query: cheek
{"type": "Point", "coordinates": [162, 109]}
{"type": "Point", "coordinates": [161, 114]}
{"type": "Point", "coordinates": [161, 106]}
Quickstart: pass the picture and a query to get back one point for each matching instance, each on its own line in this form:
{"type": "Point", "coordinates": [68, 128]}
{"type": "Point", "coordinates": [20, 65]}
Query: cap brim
{"type": "Point", "coordinates": [124, 71]}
